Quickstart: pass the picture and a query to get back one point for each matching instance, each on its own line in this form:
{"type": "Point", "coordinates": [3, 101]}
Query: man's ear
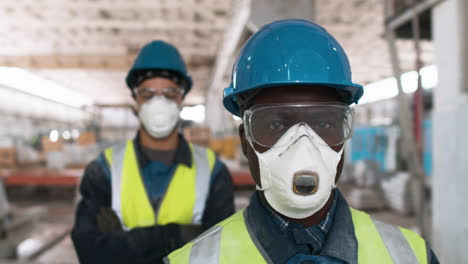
{"type": "Point", "coordinates": [243, 139]}
{"type": "Point", "coordinates": [135, 109]}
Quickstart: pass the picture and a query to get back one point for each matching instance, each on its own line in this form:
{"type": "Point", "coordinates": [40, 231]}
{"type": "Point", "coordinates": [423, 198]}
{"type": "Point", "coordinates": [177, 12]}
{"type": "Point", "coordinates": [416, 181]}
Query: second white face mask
{"type": "Point", "coordinates": [298, 173]}
{"type": "Point", "coordinates": [159, 116]}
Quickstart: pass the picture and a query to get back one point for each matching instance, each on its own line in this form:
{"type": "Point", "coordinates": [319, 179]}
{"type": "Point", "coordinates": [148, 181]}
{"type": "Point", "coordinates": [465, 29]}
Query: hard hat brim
{"type": "Point", "coordinates": [355, 93]}
{"type": "Point", "coordinates": [131, 76]}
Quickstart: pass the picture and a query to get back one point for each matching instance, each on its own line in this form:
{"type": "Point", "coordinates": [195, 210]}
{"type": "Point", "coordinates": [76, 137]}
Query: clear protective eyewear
{"type": "Point", "coordinates": [266, 124]}
{"type": "Point", "coordinates": [147, 93]}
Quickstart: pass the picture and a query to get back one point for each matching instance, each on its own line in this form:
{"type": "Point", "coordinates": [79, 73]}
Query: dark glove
{"type": "Point", "coordinates": [108, 220]}
{"type": "Point", "coordinates": [189, 232]}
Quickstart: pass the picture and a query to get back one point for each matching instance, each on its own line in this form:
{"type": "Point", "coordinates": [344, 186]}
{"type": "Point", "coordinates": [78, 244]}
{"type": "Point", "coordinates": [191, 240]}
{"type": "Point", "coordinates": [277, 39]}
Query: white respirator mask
{"type": "Point", "coordinates": [298, 172]}
{"type": "Point", "coordinates": [159, 116]}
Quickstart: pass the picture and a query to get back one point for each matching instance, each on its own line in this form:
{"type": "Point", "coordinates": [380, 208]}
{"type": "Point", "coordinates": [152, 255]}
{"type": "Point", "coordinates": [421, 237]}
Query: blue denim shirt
{"type": "Point", "coordinates": [339, 245]}
{"type": "Point", "coordinates": [311, 239]}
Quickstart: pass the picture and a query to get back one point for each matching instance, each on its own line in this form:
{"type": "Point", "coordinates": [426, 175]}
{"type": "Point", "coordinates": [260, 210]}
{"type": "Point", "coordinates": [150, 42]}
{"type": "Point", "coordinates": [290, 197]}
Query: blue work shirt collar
{"type": "Point", "coordinates": [183, 154]}
{"type": "Point", "coordinates": [311, 238]}
{"type": "Point", "coordinates": [277, 246]}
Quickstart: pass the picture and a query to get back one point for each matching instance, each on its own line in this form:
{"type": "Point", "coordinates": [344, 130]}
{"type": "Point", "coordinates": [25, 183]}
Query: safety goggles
{"type": "Point", "coordinates": [147, 93]}
{"type": "Point", "coordinates": [266, 124]}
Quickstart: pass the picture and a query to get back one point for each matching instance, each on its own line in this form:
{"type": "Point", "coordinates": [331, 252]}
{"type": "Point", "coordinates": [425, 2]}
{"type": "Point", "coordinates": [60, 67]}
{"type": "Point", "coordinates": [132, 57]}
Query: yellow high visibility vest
{"type": "Point", "coordinates": [231, 241]}
{"type": "Point", "coordinates": [185, 198]}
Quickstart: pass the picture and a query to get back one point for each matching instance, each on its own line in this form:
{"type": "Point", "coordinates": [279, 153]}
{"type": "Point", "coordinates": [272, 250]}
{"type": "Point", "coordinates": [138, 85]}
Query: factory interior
{"type": "Point", "coordinates": [64, 100]}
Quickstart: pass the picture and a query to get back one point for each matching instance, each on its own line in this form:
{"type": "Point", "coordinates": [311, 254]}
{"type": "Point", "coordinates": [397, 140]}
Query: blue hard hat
{"type": "Point", "coordinates": [159, 55]}
{"type": "Point", "coordinates": [288, 52]}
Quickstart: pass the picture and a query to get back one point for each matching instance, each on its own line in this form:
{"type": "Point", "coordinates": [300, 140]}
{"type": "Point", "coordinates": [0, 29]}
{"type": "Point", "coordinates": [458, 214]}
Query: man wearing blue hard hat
{"type": "Point", "coordinates": [291, 85]}
{"type": "Point", "coordinates": [146, 197]}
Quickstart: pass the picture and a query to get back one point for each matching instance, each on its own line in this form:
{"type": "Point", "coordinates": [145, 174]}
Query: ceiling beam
{"type": "Point", "coordinates": [407, 14]}
{"type": "Point", "coordinates": [35, 24]}
{"type": "Point", "coordinates": [68, 61]}
{"type": "Point", "coordinates": [88, 61]}
{"type": "Point", "coordinates": [111, 4]}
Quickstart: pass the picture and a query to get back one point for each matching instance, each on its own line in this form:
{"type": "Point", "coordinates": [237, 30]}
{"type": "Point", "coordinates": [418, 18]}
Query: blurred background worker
{"type": "Point", "coordinates": [292, 86]}
{"type": "Point", "coordinates": [150, 195]}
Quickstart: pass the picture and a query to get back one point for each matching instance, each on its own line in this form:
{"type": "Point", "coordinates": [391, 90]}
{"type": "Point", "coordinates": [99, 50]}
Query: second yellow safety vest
{"type": "Point", "coordinates": [231, 241]}
{"type": "Point", "coordinates": [185, 198]}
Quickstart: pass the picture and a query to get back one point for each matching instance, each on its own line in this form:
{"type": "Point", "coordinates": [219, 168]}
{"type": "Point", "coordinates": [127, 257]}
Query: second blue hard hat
{"type": "Point", "coordinates": [288, 52]}
{"type": "Point", "coordinates": [159, 55]}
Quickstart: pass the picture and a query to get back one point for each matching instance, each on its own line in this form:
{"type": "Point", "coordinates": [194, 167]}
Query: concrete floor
{"type": "Point", "coordinates": [55, 226]}
{"type": "Point", "coordinates": [63, 253]}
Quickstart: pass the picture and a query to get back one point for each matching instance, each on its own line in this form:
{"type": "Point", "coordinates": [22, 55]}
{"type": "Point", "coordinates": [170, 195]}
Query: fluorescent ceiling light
{"type": "Point", "coordinates": [387, 88]}
{"type": "Point", "coordinates": [75, 133]}
{"type": "Point", "coordinates": [54, 135]}
{"type": "Point", "coordinates": [430, 77]}
{"type": "Point", "coordinates": [194, 113]}
{"type": "Point", "coordinates": [66, 134]}
{"type": "Point", "coordinates": [30, 83]}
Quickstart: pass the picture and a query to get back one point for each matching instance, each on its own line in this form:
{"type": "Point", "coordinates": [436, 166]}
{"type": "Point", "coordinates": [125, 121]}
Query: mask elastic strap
{"type": "Point", "coordinates": [339, 155]}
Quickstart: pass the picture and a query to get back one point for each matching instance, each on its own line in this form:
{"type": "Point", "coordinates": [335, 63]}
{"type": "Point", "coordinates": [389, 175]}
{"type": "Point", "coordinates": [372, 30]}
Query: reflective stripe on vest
{"type": "Point", "coordinates": [392, 244]}
{"type": "Point", "coordinates": [130, 200]}
{"type": "Point", "coordinates": [230, 242]}
{"type": "Point", "coordinates": [217, 245]}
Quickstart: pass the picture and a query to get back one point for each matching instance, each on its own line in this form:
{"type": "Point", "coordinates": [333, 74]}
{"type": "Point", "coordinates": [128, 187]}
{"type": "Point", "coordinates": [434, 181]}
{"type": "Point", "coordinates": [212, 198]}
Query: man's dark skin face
{"type": "Point", "coordinates": [291, 94]}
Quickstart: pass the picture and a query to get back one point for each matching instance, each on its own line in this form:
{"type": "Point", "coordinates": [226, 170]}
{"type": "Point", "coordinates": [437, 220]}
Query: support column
{"type": "Point", "coordinates": [450, 133]}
